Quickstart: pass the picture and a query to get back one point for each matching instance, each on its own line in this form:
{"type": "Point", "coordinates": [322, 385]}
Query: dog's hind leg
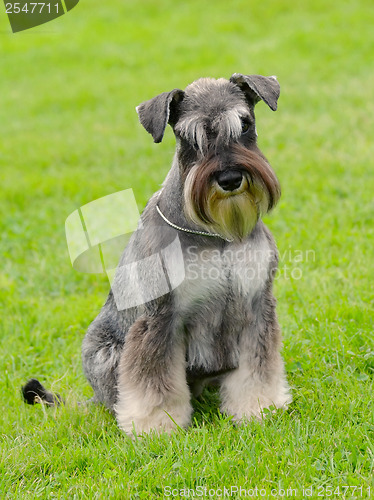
{"type": "Point", "coordinates": [100, 356]}
{"type": "Point", "coordinates": [101, 352]}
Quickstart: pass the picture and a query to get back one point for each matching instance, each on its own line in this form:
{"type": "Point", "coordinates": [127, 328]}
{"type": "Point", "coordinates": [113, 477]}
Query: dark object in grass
{"type": "Point", "coordinates": [33, 392]}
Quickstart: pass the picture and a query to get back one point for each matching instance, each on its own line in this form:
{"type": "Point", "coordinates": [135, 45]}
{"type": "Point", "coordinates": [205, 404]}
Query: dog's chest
{"type": "Point", "coordinates": [211, 275]}
{"type": "Point", "coordinates": [215, 300]}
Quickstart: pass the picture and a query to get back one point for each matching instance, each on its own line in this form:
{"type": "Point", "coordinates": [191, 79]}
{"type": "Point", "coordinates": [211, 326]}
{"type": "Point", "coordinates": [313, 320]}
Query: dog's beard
{"type": "Point", "coordinates": [232, 214]}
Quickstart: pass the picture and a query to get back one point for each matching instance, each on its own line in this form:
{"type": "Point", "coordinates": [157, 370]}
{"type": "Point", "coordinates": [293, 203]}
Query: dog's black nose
{"type": "Point", "coordinates": [229, 180]}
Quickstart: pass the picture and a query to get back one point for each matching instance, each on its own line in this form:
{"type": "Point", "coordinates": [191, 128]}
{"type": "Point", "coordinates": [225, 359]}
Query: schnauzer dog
{"type": "Point", "coordinates": [219, 324]}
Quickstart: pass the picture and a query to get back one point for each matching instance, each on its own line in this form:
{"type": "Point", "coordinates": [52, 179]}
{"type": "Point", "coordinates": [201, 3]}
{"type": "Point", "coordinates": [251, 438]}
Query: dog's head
{"type": "Point", "coordinates": [228, 183]}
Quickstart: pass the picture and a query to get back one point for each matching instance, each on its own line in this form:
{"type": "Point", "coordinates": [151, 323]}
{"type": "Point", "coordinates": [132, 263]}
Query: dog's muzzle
{"type": "Point", "coordinates": [228, 194]}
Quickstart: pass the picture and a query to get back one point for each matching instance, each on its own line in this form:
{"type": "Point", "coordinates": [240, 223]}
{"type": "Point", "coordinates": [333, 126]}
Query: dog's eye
{"type": "Point", "coordinates": [245, 125]}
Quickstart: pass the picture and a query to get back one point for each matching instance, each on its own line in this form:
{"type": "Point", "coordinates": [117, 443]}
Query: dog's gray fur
{"type": "Point", "coordinates": [220, 323]}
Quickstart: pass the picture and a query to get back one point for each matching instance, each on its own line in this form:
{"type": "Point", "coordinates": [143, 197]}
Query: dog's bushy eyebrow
{"type": "Point", "coordinates": [193, 129]}
{"type": "Point", "coordinates": [229, 125]}
{"type": "Point", "coordinates": [225, 125]}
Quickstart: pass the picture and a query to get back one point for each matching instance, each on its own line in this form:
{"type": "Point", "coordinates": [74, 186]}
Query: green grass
{"type": "Point", "coordinates": [69, 135]}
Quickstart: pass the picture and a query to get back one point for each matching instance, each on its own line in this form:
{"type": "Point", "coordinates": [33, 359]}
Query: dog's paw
{"type": "Point", "coordinates": [243, 416]}
{"type": "Point", "coordinates": [256, 409]}
{"type": "Point", "coordinates": [159, 421]}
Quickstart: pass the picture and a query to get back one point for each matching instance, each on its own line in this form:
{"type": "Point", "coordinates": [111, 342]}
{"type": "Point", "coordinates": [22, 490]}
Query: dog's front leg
{"type": "Point", "coordinates": [152, 389]}
{"type": "Point", "coordinates": [259, 382]}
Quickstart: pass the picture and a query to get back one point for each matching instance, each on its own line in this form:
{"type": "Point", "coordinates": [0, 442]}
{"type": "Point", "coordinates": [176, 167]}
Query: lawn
{"type": "Point", "coordinates": [69, 134]}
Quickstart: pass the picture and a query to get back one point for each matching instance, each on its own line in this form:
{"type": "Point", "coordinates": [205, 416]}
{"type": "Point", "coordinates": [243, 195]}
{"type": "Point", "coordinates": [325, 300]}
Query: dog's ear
{"type": "Point", "coordinates": [258, 88]}
{"type": "Point", "coordinates": [156, 113]}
